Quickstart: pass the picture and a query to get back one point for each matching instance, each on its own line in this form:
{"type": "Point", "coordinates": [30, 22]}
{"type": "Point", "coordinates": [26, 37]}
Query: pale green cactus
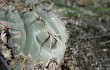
{"type": "Point", "coordinates": [42, 34]}
{"type": "Point", "coordinates": [14, 21]}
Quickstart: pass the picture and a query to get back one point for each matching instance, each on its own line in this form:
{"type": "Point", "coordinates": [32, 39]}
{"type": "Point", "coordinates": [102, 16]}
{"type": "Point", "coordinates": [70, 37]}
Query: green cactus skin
{"type": "Point", "coordinates": [31, 31]}
{"type": "Point", "coordinates": [16, 23]}
{"type": "Point", "coordinates": [43, 35]}
{"type": "Point", "coordinates": [36, 33]}
{"type": "Point", "coordinates": [54, 21]}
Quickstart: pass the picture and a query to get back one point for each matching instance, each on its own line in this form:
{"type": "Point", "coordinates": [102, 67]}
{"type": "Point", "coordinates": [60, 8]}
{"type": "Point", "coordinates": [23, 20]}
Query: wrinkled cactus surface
{"type": "Point", "coordinates": [30, 33]}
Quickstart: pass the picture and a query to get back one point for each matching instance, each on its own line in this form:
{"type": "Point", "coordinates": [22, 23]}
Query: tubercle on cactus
{"type": "Point", "coordinates": [52, 36]}
{"type": "Point", "coordinates": [39, 18]}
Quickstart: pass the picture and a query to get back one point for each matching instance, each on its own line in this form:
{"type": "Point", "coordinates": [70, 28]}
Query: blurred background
{"type": "Point", "coordinates": [88, 27]}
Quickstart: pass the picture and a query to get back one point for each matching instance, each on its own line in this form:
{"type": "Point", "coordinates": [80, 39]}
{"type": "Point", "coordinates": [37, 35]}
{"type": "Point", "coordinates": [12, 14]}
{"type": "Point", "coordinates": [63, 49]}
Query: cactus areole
{"type": "Point", "coordinates": [29, 32]}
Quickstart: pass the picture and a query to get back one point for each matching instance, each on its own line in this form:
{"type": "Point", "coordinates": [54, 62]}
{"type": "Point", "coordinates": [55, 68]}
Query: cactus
{"type": "Point", "coordinates": [29, 31]}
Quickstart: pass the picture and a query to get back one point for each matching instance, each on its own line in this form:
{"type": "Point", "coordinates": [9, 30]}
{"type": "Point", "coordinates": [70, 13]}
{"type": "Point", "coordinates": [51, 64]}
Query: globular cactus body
{"type": "Point", "coordinates": [42, 34]}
